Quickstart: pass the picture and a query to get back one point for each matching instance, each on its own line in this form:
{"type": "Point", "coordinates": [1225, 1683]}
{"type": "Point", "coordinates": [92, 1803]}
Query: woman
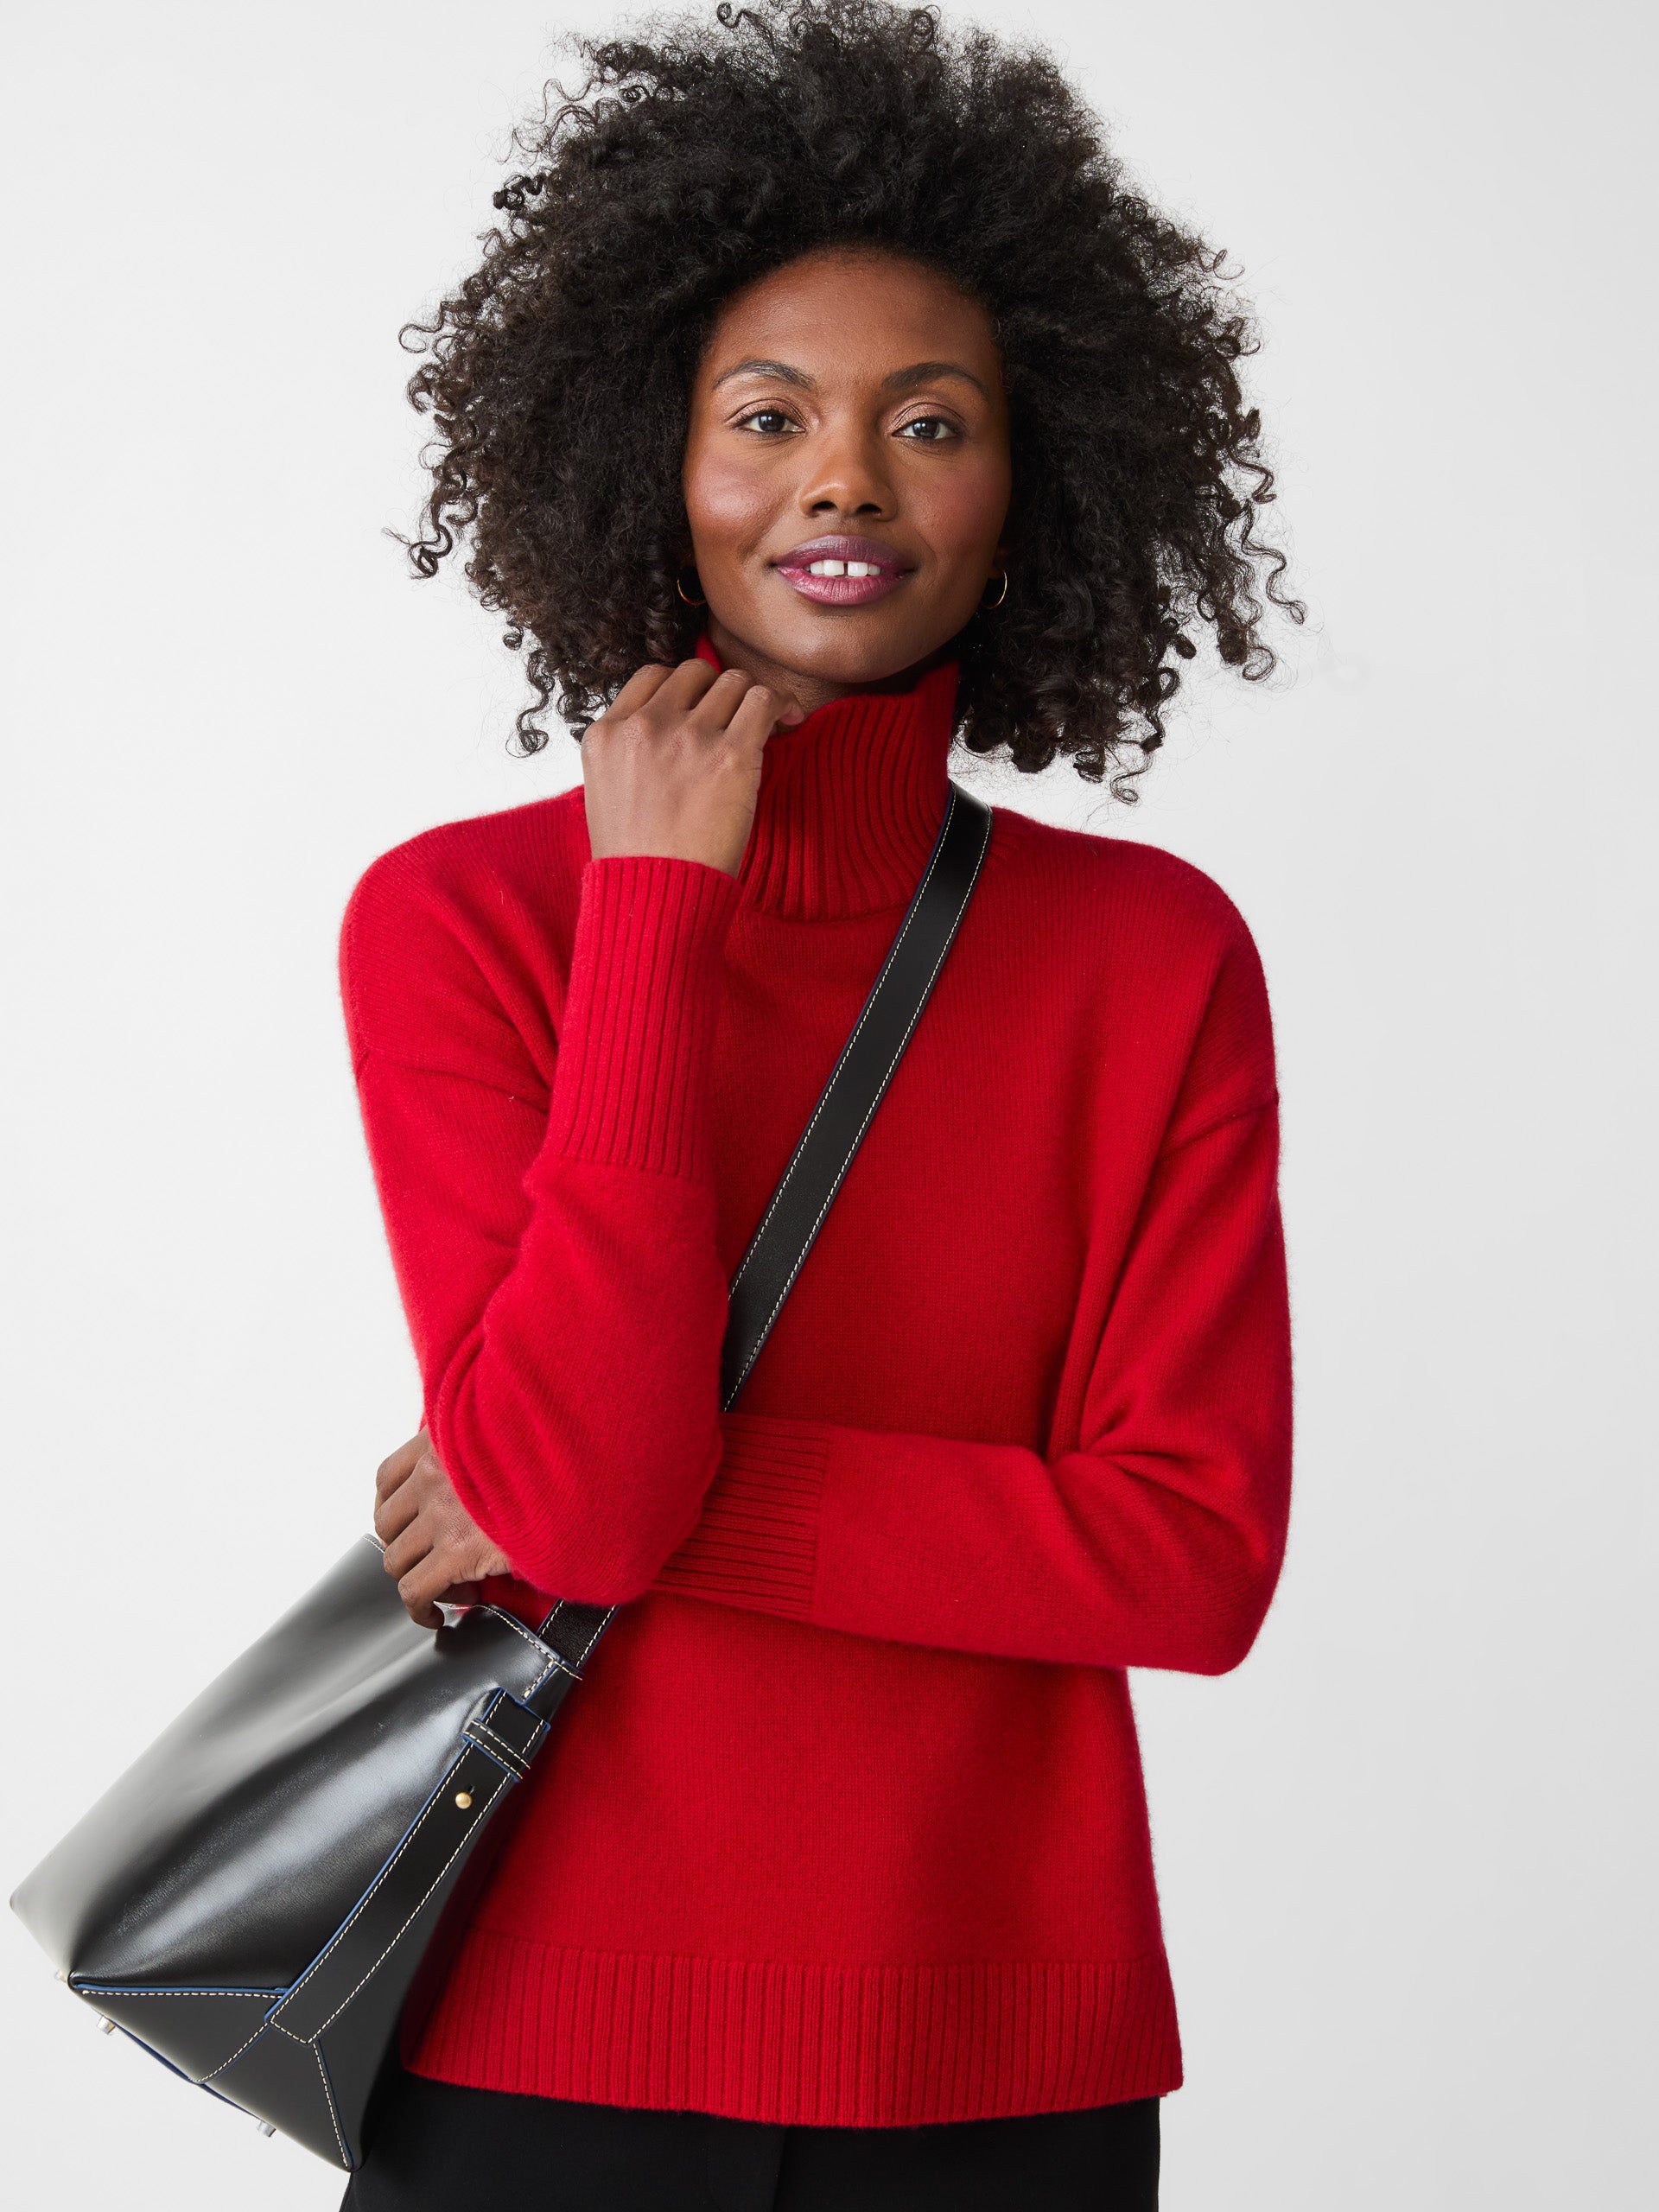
{"type": "Point", "coordinates": [825, 398]}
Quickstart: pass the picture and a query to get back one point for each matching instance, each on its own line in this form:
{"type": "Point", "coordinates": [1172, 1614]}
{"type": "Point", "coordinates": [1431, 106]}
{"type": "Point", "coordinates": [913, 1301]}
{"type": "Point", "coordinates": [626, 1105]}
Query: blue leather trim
{"type": "Point", "coordinates": [162, 1989]}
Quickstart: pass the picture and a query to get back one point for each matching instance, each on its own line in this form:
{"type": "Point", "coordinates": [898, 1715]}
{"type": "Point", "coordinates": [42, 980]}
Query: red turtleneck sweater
{"type": "Point", "coordinates": [846, 1823]}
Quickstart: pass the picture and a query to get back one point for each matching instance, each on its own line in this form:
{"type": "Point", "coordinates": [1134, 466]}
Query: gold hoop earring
{"type": "Point", "coordinates": [987, 606]}
{"type": "Point", "coordinates": [679, 586]}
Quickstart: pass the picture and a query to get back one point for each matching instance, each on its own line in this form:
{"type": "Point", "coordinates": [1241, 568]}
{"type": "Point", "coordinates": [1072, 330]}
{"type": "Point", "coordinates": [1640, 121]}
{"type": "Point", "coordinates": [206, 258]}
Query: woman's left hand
{"type": "Point", "coordinates": [433, 1545]}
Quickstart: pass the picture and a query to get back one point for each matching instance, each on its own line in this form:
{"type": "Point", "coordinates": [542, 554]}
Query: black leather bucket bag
{"type": "Point", "coordinates": [259, 1898]}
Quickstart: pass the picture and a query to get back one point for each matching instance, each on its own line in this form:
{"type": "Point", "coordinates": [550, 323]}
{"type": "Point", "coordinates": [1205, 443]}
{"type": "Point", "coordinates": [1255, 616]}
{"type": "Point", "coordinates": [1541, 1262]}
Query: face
{"type": "Point", "coordinates": [847, 474]}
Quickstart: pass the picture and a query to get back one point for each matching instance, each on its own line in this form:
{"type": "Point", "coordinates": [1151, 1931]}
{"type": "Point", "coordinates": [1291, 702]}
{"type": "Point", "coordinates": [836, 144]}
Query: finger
{"type": "Point", "coordinates": [422, 1611]}
{"type": "Point", "coordinates": [642, 685]}
{"type": "Point", "coordinates": [685, 685]}
{"type": "Point", "coordinates": [420, 1590]}
{"type": "Point", "coordinates": [395, 1513]}
{"type": "Point", "coordinates": [410, 1548]}
{"type": "Point", "coordinates": [399, 1465]}
{"type": "Point", "coordinates": [714, 711]}
{"type": "Point", "coordinates": [759, 715]}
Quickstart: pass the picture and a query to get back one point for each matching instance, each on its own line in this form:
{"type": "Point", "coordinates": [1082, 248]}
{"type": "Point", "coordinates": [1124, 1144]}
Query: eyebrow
{"type": "Point", "coordinates": [900, 379]}
{"type": "Point", "coordinates": [928, 372]}
{"type": "Point", "coordinates": [778, 369]}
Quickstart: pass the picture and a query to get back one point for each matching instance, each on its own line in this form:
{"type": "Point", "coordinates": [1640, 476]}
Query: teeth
{"type": "Point", "coordinates": [843, 569]}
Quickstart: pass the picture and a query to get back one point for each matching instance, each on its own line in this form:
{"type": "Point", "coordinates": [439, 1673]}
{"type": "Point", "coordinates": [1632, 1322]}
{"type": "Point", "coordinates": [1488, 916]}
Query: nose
{"type": "Point", "coordinates": [846, 475]}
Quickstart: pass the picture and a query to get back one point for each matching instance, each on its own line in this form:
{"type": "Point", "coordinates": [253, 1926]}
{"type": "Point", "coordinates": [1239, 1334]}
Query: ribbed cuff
{"type": "Point", "coordinates": [639, 1030]}
{"type": "Point", "coordinates": [756, 1544]}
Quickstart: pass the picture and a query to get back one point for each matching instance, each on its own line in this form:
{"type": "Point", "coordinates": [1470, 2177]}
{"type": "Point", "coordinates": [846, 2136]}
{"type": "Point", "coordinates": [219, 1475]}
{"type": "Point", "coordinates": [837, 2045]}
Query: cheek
{"type": "Point", "coordinates": [727, 504]}
{"type": "Point", "coordinates": [967, 509]}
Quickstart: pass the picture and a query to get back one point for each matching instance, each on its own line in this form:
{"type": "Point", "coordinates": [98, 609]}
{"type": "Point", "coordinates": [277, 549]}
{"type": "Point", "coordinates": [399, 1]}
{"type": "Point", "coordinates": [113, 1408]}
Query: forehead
{"type": "Point", "coordinates": [852, 313]}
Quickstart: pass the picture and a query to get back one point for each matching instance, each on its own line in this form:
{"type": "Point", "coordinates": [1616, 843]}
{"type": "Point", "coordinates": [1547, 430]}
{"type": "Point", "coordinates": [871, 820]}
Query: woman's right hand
{"type": "Point", "coordinates": [434, 1548]}
{"type": "Point", "coordinates": [673, 768]}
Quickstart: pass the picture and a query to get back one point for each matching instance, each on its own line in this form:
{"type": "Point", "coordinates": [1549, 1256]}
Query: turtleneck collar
{"type": "Point", "coordinates": [851, 800]}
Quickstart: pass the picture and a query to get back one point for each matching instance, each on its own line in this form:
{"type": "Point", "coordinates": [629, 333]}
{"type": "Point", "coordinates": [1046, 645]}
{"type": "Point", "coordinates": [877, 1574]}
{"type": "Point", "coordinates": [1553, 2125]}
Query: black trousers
{"type": "Point", "coordinates": [438, 2146]}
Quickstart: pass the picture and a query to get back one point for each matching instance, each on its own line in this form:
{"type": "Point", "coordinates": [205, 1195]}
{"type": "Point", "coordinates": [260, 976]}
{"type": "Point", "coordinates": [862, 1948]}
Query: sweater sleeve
{"type": "Point", "coordinates": [555, 1245]}
{"type": "Point", "coordinates": [1157, 1543]}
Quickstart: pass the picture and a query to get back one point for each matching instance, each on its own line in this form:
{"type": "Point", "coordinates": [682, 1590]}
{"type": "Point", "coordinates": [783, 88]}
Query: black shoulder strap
{"type": "Point", "coordinates": [819, 1165]}
{"type": "Point", "coordinates": [856, 1085]}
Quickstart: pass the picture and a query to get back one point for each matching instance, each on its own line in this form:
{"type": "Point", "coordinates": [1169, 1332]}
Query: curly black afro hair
{"type": "Point", "coordinates": [702, 152]}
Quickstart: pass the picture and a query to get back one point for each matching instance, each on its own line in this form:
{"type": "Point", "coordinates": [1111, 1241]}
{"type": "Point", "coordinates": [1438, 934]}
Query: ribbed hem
{"type": "Point", "coordinates": [854, 2046]}
{"type": "Point", "coordinates": [756, 1542]}
{"type": "Point", "coordinates": [640, 1014]}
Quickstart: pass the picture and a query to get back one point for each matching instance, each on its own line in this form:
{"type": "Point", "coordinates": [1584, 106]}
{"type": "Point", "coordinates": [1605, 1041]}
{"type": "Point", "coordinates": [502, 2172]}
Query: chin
{"type": "Point", "coordinates": [845, 645]}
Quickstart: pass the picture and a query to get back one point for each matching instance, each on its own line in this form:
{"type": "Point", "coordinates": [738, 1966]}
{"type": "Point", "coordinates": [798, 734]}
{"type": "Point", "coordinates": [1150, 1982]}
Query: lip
{"type": "Point", "coordinates": [795, 568]}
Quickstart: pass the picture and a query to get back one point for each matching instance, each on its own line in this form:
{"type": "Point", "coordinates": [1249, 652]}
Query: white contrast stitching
{"type": "Point", "coordinates": [509, 1755]}
{"type": "Point", "coordinates": [858, 1135]}
{"type": "Point", "coordinates": [414, 1916]}
{"type": "Point", "coordinates": [225, 2063]}
{"type": "Point", "coordinates": [344, 1929]}
{"type": "Point", "coordinates": [582, 1657]}
{"type": "Point", "coordinates": [333, 2117]}
{"type": "Point", "coordinates": [518, 1626]}
{"type": "Point", "coordinates": [483, 1728]}
{"type": "Point", "coordinates": [508, 1766]}
{"type": "Point", "coordinates": [554, 1661]}
{"type": "Point", "coordinates": [128, 1989]}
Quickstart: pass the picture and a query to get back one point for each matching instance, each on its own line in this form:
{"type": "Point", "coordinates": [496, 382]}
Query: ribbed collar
{"type": "Point", "coordinates": [851, 800]}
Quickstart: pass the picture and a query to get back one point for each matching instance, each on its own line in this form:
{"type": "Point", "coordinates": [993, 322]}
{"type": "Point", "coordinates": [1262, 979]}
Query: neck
{"type": "Point", "coordinates": [851, 798]}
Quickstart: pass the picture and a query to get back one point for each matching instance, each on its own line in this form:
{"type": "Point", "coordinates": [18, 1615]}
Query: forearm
{"type": "Point", "coordinates": [579, 1420]}
{"type": "Point", "coordinates": [1084, 1561]}
{"type": "Point", "coordinates": [1156, 1542]}
{"type": "Point", "coordinates": [559, 1264]}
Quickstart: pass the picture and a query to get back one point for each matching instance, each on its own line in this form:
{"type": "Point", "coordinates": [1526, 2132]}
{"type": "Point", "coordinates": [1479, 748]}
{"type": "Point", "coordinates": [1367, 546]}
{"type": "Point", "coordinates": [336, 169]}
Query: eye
{"type": "Point", "coordinates": [764, 422]}
{"type": "Point", "coordinates": [929, 431]}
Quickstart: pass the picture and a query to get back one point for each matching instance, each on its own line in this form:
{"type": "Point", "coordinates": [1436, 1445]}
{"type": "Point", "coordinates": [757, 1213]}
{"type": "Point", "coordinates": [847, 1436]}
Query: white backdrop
{"type": "Point", "coordinates": [1401, 1850]}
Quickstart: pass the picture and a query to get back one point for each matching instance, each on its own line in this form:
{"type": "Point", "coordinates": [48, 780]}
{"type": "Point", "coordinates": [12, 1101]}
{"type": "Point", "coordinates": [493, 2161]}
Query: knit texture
{"type": "Point", "coordinates": [846, 1823]}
